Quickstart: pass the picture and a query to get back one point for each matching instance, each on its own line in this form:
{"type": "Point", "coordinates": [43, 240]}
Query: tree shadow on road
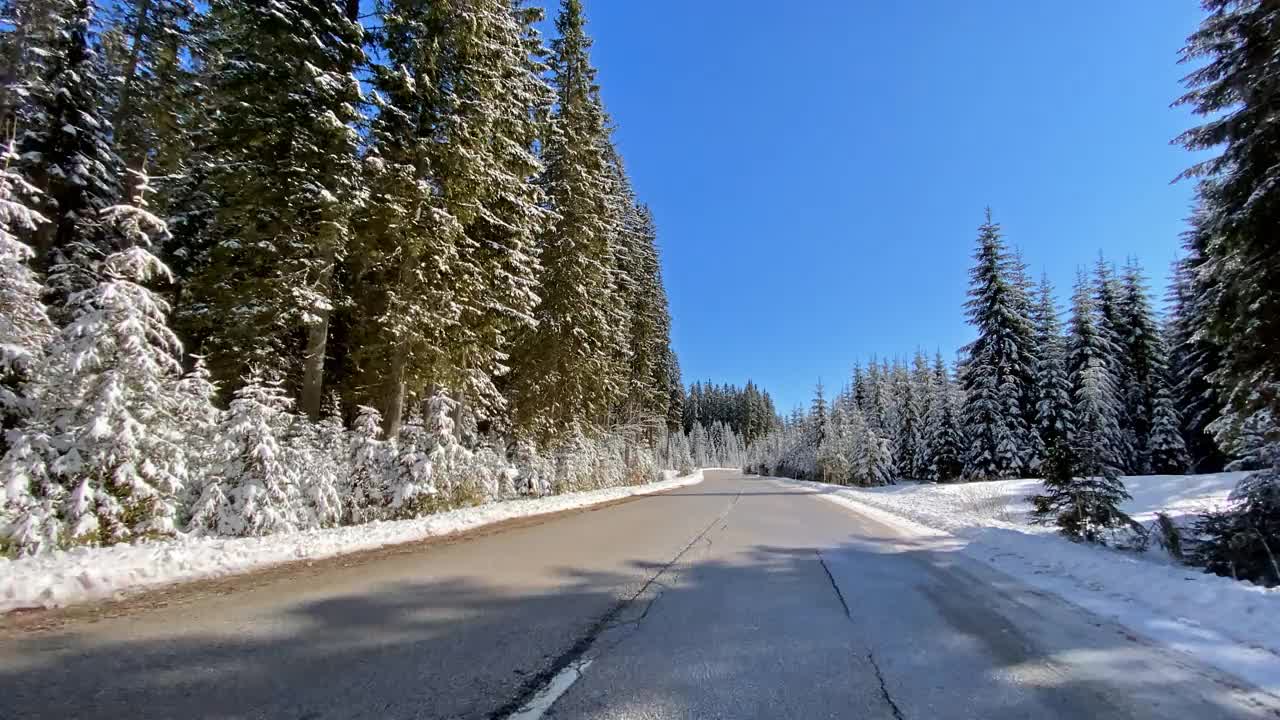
{"type": "Point", "coordinates": [927, 636]}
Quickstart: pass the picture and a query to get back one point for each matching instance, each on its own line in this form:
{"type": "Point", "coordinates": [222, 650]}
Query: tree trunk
{"type": "Point", "coordinates": [317, 342]}
{"type": "Point", "coordinates": [134, 154]}
{"type": "Point", "coordinates": [393, 408]}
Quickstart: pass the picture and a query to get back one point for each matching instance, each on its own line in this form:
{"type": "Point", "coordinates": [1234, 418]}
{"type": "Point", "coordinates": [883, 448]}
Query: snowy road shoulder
{"type": "Point", "coordinates": [1233, 626]}
{"type": "Point", "coordinates": [82, 575]}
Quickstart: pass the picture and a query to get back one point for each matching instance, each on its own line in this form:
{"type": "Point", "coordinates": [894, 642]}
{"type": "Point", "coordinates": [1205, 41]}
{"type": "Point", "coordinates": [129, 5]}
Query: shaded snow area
{"type": "Point", "coordinates": [1234, 626]}
{"type": "Point", "coordinates": [63, 578]}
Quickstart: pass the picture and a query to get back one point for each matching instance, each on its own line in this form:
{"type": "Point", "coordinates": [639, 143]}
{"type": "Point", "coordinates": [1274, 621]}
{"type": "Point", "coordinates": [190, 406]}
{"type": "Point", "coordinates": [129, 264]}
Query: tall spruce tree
{"type": "Point", "coordinates": [1052, 387]}
{"type": "Point", "coordinates": [1237, 89]}
{"type": "Point", "coordinates": [1082, 491]}
{"type": "Point", "coordinates": [1146, 358]}
{"type": "Point", "coordinates": [1195, 358]}
{"type": "Point", "coordinates": [1112, 325]}
{"type": "Point", "coordinates": [1238, 268]}
{"type": "Point", "coordinates": [64, 138]}
{"type": "Point", "coordinates": [997, 362]}
{"type": "Point", "coordinates": [446, 248]}
{"type": "Point", "coordinates": [566, 372]}
{"type": "Point", "coordinates": [1096, 405]}
{"type": "Point", "coordinates": [946, 448]}
{"type": "Point", "coordinates": [283, 99]}
{"type": "Point", "coordinates": [25, 327]}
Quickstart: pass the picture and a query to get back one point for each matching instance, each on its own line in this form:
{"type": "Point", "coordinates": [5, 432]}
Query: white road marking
{"type": "Point", "coordinates": [548, 695]}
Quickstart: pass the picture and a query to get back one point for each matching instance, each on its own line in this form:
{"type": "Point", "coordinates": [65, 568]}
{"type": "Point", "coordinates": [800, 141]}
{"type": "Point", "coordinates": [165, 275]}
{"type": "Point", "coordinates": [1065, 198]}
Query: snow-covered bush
{"type": "Point", "coordinates": [1243, 541]}
{"type": "Point", "coordinates": [370, 467]}
{"type": "Point", "coordinates": [252, 488]}
{"type": "Point", "coordinates": [317, 450]}
{"type": "Point", "coordinates": [412, 487]}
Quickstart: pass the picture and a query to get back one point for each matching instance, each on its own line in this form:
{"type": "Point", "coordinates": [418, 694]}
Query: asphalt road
{"type": "Point", "coordinates": [735, 598]}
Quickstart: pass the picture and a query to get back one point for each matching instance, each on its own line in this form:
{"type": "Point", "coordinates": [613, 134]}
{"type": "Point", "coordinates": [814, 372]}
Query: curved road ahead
{"type": "Point", "coordinates": [735, 598]}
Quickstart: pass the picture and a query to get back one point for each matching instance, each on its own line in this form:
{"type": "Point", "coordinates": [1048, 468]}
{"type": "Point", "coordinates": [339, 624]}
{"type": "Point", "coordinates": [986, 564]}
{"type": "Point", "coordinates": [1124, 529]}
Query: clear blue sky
{"type": "Point", "coordinates": [818, 169]}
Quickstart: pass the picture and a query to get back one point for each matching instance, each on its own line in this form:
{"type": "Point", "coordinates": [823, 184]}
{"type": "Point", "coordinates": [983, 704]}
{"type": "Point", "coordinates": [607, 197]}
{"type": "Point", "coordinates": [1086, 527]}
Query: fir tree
{"type": "Point", "coordinates": [65, 139]}
{"type": "Point", "coordinates": [1112, 326]}
{"type": "Point", "coordinates": [1095, 437]}
{"type": "Point", "coordinates": [945, 445]}
{"type": "Point", "coordinates": [1236, 89]}
{"type": "Point", "coordinates": [1052, 387]}
{"type": "Point", "coordinates": [25, 327]}
{"type": "Point", "coordinates": [282, 100]}
{"type": "Point", "coordinates": [567, 375]}
{"type": "Point", "coordinates": [1166, 448]}
{"type": "Point", "coordinates": [150, 42]}
{"type": "Point", "coordinates": [997, 363]}
{"type": "Point", "coordinates": [1196, 358]}
{"type": "Point", "coordinates": [252, 490]}
{"type": "Point", "coordinates": [99, 461]}
{"type": "Point", "coordinates": [370, 467]}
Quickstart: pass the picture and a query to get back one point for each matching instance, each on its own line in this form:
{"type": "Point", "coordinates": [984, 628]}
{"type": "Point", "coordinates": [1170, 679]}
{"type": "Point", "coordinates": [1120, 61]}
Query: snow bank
{"type": "Point", "coordinates": [63, 578]}
{"type": "Point", "coordinates": [1234, 626]}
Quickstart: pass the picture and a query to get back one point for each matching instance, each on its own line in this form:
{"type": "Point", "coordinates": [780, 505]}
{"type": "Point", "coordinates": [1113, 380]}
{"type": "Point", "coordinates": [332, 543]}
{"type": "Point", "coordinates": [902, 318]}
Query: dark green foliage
{"type": "Point", "coordinates": [1082, 495]}
{"type": "Point", "coordinates": [65, 137]}
{"type": "Point", "coordinates": [1241, 541]}
{"type": "Point", "coordinates": [998, 363]}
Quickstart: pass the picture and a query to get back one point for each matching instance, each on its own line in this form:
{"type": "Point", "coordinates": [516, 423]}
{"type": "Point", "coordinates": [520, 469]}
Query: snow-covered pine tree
{"type": "Point", "coordinates": [371, 466]}
{"type": "Point", "coordinates": [411, 488]}
{"type": "Point", "coordinates": [997, 363]}
{"type": "Point", "coordinates": [100, 460]}
{"type": "Point", "coordinates": [675, 391]}
{"type": "Point", "coordinates": [1052, 387]}
{"type": "Point", "coordinates": [319, 451]}
{"type": "Point", "coordinates": [1113, 326]}
{"type": "Point", "coordinates": [252, 489]}
{"type": "Point", "coordinates": [916, 407]}
{"type": "Point", "coordinates": [1195, 358]}
{"type": "Point", "coordinates": [1165, 446]}
{"type": "Point", "coordinates": [877, 460]}
{"type": "Point", "coordinates": [1235, 88]}
{"type": "Point", "coordinates": [65, 139]}
{"type": "Point", "coordinates": [1146, 358]}
{"type": "Point", "coordinates": [495, 108]}
{"type": "Point", "coordinates": [1082, 491]}
{"type": "Point", "coordinates": [818, 415]}
{"type": "Point", "coordinates": [1082, 495]}
{"type": "Point", "coordinates": [565, 374]}
{"type": "Point", "coordinates": [650, 321]}
{"type": "Point", "coordinates": [1095, 428]}
{"type": "Point", "coordinates": [699, 446]}
{"type": "Point", "coordinates": [25, 327]}
{"type": "Point", "coordinates": [195, 418]}
{"type": "Point", "coordinates": [833, 461]}
{"type": "Point", "coordinates": [1033, 451]}
{"type": "Point", "coordinates": [946, 448]}
{"type": "Point", "coordinates": [282, 98]}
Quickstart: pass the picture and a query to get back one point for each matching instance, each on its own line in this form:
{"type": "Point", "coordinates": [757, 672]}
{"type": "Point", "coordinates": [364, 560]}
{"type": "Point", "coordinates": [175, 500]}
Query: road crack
{"type": "Point", "coordinates": [884, 689]}
{"type": "Point", "coordinates": [575, 656]}
{"type": "Point", "coordinates": [871, 657]}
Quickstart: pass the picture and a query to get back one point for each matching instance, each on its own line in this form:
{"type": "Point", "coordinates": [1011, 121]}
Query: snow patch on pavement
{"type": "Point", "coordinates": [62, 578]}
{"type": "Point", "coordinates": [1233, 626]}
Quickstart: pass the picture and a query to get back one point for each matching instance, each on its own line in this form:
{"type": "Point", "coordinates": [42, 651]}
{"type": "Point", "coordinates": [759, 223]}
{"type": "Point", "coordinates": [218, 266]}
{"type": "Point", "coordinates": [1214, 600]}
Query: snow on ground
{"type": "Point", "coordinates": [1234, 626]}
{"type": "Point", "coordinates": [84, 574]}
